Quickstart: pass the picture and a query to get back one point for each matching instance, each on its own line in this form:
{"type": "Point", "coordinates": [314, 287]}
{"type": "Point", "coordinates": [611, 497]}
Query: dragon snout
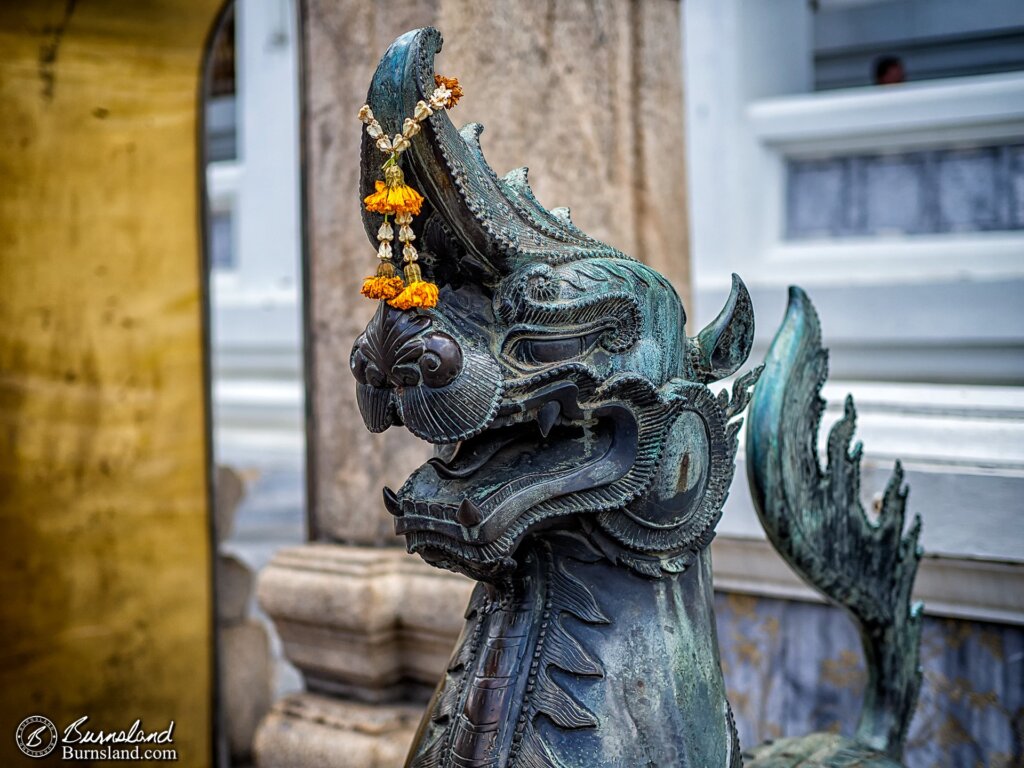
{"type": "Point", "coordinates": [402, 349]}
{"type": "Point", "coordinates": [414, 368]}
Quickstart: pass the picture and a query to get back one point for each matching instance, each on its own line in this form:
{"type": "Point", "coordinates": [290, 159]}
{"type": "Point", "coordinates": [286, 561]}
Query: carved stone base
{"type": "Point", "coordinates": [369, 623]}
{"type": "Point", "coordinates": [307, 730]}
{"type": "Point", "coordinates": [371, 629]}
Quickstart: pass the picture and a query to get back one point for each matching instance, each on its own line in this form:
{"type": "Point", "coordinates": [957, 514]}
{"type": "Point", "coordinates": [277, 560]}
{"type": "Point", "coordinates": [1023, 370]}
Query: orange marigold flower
{"type": "Point", "coordinates": [452, 84]}
{"type": "Point", "coordinates": [382, 288]}
{"type": "Point", "coordinates": [398, 199]}
{"type": "Point", "coordinates": [417, 294]}
{"type": "Point", "coordinates": [393, 195]}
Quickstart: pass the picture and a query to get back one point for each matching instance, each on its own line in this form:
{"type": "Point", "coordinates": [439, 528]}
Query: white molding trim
{"type": "Point", "coordinates": [908, 260]}
{"type": "Point", "coordinates": [936, 426]}
{"type": "Point", "coordinates": [918, 115]}
{"type": "Point", "coordinates": [748, 111]}
{"type": "Point", "coordinates": [931, 427]}
{"type": "Point", "coordinates": [951, 587]}
{"type": "Point", "coordinates": [913, 116]}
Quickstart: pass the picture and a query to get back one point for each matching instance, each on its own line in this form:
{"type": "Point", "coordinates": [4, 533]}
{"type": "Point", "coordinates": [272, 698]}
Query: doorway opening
{"type": "Point", "coordinates": [253, 241]}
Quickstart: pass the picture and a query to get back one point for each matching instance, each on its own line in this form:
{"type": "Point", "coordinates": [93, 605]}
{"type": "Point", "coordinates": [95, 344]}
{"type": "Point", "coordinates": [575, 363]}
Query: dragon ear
{"type": "Point", "coordinates": [723, 346]}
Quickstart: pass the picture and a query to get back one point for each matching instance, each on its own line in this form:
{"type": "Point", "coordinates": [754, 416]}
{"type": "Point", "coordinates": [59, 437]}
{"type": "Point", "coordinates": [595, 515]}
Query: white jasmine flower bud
{"type": "Point", "coordinates": [410, 128]}
{"type": "Point", "coordinates": [439, 98]}
{"type": "Point", "coordinates": [422, 111]}
{"type": "Point", "coordinates": [399, 143]}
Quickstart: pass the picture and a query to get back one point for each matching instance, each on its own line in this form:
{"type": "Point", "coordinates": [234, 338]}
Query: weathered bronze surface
{"type": "Point", "coordinates": [581, 466]}
{"type": "Point", "coordinates": [815, 519]}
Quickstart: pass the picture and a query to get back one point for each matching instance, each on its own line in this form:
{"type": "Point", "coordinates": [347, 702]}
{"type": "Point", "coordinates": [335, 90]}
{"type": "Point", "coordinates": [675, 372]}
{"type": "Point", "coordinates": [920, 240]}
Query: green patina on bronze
{"type": "Point", "coordinates": [816, 521]}
{"type": "Point", "coordinates": [581, 466]}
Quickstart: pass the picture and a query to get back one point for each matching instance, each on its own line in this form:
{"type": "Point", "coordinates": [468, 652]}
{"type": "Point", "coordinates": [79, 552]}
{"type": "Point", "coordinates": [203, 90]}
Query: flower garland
{"type": "Point", "coordinates": [393, 197]}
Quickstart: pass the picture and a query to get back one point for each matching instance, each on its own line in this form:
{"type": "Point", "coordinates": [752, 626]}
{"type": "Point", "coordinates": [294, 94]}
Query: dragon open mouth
{"type": "Point", "coordinates": [477, 496]}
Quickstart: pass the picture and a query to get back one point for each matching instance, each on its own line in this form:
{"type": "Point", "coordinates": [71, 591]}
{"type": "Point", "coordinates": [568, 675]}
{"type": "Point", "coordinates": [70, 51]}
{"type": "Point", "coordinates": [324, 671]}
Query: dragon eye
{"type": "Point", "coordinates": [550, 350]}
{"type": "Point", "coordinates": [544, 351]}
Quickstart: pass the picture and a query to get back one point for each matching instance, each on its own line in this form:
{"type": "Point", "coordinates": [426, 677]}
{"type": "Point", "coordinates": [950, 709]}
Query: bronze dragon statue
{"type": "Point", "coordinates": [581, 465]}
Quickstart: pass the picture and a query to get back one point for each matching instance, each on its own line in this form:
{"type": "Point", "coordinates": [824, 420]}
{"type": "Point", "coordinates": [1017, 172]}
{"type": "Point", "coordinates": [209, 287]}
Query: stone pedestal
{"type": "Point", "coordinates": [370, 629]}
{"type": "Point", "coordinates": [370, 623]}
{"type": "Point", "coordinates": [245, 680]}
{"type": "Point", "coordinates": [308, 730]}
{"type": "Point", "coordinates": [590, 96]}
{"type": "Point", "coordinates": [245, 669]}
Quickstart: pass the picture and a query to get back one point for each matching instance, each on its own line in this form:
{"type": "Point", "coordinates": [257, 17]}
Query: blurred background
{"type": "Point", "coordinates": [871, 151]}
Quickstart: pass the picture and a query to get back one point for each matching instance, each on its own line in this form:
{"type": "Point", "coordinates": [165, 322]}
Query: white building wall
{"type": "Point", "coordinates": [927, 331]}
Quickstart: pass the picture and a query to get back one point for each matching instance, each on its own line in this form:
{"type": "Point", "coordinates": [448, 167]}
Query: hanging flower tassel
{"type": "Point", "coordinates": [383, 286]}
{"type": "Point", "coordinates": [418, 292]}
{"type": "Point", "coordinates": [387, 283]}
{"type": "Point", "coordinates": [394, 197]}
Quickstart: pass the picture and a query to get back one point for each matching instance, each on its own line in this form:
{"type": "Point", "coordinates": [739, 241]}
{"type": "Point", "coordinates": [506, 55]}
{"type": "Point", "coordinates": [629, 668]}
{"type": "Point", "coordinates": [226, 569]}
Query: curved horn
{"type": "Point", "coordinates": [723, 346]}
{"type": "Point", "coordinates": [498, 222]}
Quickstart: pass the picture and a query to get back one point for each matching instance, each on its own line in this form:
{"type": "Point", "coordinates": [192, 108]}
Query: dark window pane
{"type": "Point", "coordinates": [961, 189]}
{"type": "Point", "coordinates": [817, 198]}
{"type": "Point", "coordinates": [968, 195]}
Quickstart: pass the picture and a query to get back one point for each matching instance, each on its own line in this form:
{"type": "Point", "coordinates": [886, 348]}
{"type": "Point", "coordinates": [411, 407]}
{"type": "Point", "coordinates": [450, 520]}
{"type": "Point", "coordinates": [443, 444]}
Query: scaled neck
{"type": "Point", "coordinates": [576, 661]}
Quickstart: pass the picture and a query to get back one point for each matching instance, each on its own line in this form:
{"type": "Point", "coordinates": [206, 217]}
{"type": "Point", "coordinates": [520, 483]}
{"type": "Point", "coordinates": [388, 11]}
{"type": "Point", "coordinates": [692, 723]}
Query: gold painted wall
{"type": "Point", "coordinates": [105, 583]}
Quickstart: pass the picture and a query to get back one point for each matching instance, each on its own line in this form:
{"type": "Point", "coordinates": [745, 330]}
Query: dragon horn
{"type": "Point", "coordinates": [723, 346]}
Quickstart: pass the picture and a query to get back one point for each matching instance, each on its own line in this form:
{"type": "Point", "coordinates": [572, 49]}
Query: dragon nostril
{"type": "Point", "coordinates": [441, 360]}
{"type": "Point", "coordinates": [364, 366]}
{"type": "Point", "coordinates": [357, 362]}
{"type": "Point", "coordinates": [400, 350]}
{"type": "Point", "coordinates": [375, 377]}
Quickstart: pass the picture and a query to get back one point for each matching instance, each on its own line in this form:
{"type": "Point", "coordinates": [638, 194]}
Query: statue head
{"type": "Point", "coordinates": [554, 376]}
